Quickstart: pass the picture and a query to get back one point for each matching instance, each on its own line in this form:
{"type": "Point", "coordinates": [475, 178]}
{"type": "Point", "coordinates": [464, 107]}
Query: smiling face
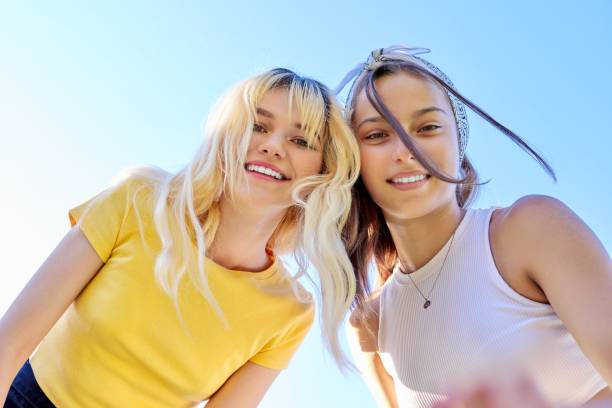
{"type": "Point", "coordinates": [279, 153]}
{"type": "Point", "coordinates": [398, 183]}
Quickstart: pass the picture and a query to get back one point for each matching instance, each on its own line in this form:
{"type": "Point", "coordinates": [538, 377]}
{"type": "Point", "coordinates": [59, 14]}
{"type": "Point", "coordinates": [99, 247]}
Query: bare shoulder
{"type": "Point", "coordinates": [536, 236]}
{"type": "Point", "coordinates": [524, 233]}
{"type": "Point", "coordinates": [532, 212]}
{"type": "Point", "coordinates": [533, 221]}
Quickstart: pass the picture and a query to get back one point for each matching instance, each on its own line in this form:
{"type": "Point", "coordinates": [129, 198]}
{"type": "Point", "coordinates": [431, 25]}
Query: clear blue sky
{"type": "Point", "coordinates": [89, 89]}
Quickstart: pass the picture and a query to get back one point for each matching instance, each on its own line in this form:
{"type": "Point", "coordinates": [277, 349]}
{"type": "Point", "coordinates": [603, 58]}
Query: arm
{"type": "Point", "coordinates": [569, 264]}
{"type": "Point", "coordinates": [245, 388]}
{"type": "Point", "coordinates": [43, 300]}
{"type": "Point", "coordinates": [559, 255]}
{"type": "Point", "coordinates": [362, 334]}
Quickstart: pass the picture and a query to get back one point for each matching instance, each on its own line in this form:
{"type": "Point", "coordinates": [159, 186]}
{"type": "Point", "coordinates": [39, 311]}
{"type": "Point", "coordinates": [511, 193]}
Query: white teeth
{"type": "Point", "coordinates": [410, 179]}
{"type": "Point", "coordinates": [264, 170]}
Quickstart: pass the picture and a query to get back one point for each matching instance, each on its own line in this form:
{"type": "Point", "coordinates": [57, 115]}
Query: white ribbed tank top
{"type": "Point", "coordinates": [476, 324]}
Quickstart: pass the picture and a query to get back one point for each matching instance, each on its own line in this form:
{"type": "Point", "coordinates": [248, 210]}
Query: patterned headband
{"type": "Point", "coordinates": [379, 57]}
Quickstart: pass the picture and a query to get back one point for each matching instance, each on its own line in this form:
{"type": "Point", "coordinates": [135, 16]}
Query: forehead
{"type": "Point", "coordinates": [276, 101]}
{"type": "Point", "coordinates": [403, 93]}
{"type": "Point", "coordinates": [294, 107]}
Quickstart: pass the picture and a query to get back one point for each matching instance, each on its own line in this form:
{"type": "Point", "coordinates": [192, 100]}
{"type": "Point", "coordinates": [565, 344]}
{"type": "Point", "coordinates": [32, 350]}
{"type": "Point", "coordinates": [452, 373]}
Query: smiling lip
{"type": "Point", "coordinates": [409, 182]}
{"type": "Point", "coordinates": [265, 176]}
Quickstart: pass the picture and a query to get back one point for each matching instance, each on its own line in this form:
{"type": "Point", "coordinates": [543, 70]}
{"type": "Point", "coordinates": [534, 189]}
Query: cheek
{"type": "Point", "coordinates": [444, 153]}
{"type": "Point", "coordinates": [367, 168]}
{"type": "Point", "coordinates": [373, 158]}
{"type": "Point", "coordinates": [371, 168]}
{"type": "Point", "coordinates": [452, 153]}
{"type": "Point", "coordinates": [254, 142]}
{"type": "Point", "coordinates": [309, 163]}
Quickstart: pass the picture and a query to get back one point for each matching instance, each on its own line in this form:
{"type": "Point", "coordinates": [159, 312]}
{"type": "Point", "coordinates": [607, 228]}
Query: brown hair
{"type": "Point", "coordinates": [366, 233]}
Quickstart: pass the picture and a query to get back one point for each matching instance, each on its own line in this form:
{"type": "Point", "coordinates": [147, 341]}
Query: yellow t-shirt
{"type": "Point", "coordinates": [122, 343]}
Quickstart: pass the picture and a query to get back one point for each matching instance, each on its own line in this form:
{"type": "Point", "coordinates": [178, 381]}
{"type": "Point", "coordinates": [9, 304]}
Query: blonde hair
{"type": "Point", "coordinates": [186, 206]}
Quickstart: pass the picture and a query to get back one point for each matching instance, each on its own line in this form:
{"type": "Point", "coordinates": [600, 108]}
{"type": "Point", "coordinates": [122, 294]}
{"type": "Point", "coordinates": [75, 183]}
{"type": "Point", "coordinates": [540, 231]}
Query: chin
{"type": "Point", "coordinates": [407, 212]}
{"type": "Point", "coordinates": [413, 209]}
{"type": "Point", "coordinates": [255, 198]}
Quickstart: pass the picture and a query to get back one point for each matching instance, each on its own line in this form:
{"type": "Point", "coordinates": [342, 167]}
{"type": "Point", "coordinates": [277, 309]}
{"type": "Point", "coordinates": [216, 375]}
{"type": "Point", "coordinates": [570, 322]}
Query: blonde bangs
{"type": "Point", "coordinates": [313, 110]}
{"type": "Point", "coordinates": [235, 115]}
{"type": "Point", "coordinates": [187, 203]}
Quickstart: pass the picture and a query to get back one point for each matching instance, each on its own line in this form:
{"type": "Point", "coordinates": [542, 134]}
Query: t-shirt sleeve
{"type": "Point", "coordinates": [101, 218]}
{"type": "Point", "coordinates": [277, 353]}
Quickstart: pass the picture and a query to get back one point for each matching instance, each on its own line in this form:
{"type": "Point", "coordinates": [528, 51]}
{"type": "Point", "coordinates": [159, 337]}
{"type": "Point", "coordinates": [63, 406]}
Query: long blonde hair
{"type": "Point", "coordinates": [186, 208]}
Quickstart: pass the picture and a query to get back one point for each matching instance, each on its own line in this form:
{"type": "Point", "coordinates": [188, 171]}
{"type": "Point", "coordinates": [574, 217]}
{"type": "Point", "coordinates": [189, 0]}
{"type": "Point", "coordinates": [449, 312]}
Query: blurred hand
{"type": "Point", "coordinates": [506, 392]}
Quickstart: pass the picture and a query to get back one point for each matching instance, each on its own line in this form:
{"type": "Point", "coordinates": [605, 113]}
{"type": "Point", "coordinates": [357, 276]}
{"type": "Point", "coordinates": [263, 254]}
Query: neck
{"type": "Point", "coordinates": [241, 237]}
{"type": "Point", "coordinates": [418, 240]}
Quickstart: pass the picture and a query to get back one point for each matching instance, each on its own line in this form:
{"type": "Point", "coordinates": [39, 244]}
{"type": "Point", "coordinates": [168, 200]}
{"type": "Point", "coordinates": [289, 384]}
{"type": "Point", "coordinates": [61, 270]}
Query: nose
{"type": "Point", "coordinates": [273, 145]}
{"type": "Point", "coordinates": [400, 151]}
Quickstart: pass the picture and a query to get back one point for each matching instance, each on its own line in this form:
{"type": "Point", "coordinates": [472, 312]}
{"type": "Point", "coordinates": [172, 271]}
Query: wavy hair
{"type": "Point", "coordinates": [186, 208]}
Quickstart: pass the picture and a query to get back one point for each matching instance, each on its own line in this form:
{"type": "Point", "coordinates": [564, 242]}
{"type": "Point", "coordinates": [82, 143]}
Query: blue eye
{"type": "Point", "coordinates": [300, 141]}
{"type": "Point", "coordinates": [259, 128]}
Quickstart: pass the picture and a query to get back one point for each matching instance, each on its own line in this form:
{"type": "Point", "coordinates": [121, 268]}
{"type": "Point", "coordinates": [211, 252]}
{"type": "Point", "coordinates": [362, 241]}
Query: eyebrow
{"type": "Point", "coordinates": [420, 112]}
{"type": "Point", "coordinates": [269, 115]}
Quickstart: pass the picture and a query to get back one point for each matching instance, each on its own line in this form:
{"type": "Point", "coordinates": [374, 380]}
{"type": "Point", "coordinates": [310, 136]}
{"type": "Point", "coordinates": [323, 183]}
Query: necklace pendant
{"type": "Point", "coordinates": [426, 304]}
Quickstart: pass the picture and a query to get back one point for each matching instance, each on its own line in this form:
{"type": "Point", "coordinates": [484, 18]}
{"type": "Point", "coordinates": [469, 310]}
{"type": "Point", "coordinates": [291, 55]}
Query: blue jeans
{"type": "Point", "coordinates": [25, 392]}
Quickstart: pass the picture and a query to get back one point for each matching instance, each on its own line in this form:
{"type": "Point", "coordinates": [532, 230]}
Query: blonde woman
{"type": "Point", "coordinates": [167, 291]}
